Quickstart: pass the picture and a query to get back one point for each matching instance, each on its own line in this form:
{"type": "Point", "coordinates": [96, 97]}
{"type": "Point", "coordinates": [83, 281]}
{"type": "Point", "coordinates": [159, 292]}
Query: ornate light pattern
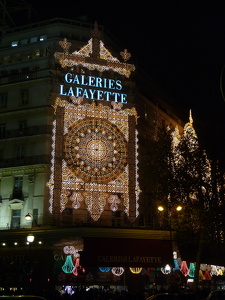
{"type": "Point", "coordinates": [98, 164]}
{"type": "Point", "coordinates": [184, 268]}
{"type": "Point", "coordinates": [89, 54]}
{"type": "Point", "coordinates": [72, 263]}
{"type": "Point", "coordinates": [136, 270]}
{"type": "Point", "coordinates": [104, 269]}
{"type": "Point", "coordinates": [117, 271]}
{"type": "Point", "coordinates": [191, 270]}
{"type": "Point", "coordinates": [68, 265]}
{"type": "Point", "coordinates": [166, 270]}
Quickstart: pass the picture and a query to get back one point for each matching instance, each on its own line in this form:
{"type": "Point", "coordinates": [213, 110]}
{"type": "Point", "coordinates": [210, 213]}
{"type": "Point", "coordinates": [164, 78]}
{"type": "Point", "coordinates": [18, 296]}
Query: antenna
{"type": "Point", "coordinates": [9, 12]}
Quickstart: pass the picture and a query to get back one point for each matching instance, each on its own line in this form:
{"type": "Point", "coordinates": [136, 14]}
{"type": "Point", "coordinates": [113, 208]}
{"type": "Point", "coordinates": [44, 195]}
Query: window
{"type": "Point", "coordinates": [14, 44]}
{"type": "Point", "coordinates": [2, 131]}
{"type": "Point", "coordinates": [22, 126]}
{"type": "Point", "coordinates": [43, 37]}
{"type": "Point", "coordinates": [24, 41]}
{"type": "Point", "coordinates": [3, 100]}
{"type": "Point", "coordinates": [16, 215]}
{"type": "Point", "coordinates": [1, 154]}
{"type": "Point", "coordinates": [35, 217]}
{"type": "Point", "coordinates": [17, 188]}
{"type": "Point", "coordinates": [33, 39]}
{"type": "Point", "coordinates": [20, 152]}
{"type": "Point", "coordinates": [6, 59]}
{"type": "Point", "coordinates": [36, 53]}
{"type": "Point", "coordinates": [18, 183]}
{"type": "Point", "coordinates": [24, 97]}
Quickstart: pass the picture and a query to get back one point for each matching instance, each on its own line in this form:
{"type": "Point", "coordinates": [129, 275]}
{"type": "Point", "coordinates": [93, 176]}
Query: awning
{"type": "Point", "coordinates": [109, 252]}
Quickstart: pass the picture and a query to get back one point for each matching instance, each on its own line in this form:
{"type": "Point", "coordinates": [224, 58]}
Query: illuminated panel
{"type": "Point", "coordinates": [94, 158]}
{"type": "Point", "coordinates": [89, 56]}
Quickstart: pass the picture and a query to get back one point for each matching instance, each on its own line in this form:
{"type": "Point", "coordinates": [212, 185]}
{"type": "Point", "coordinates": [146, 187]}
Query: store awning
{"type": "Point", "coordinates": [109, 252]}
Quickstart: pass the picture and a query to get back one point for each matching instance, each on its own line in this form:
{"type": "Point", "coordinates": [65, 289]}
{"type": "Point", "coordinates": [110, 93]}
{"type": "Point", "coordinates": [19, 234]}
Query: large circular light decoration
{"type": "Point", "coordinates": [95, 150]}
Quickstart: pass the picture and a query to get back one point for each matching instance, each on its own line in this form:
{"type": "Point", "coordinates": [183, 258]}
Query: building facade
{"type": "Point", "coordinates": [72, 124]}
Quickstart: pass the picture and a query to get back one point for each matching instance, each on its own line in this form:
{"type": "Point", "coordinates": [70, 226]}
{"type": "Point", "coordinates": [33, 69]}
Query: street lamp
{"type": "Point", "coordinates": [30, 238]}
{"type": "Point", "coordinates": [170, 210]}
{"type": "Point", "coordinates": [30, 217]}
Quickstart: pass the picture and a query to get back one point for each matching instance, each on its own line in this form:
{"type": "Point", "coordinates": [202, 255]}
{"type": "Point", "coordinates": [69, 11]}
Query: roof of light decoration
{"type": "Point", "coordinates": [94, 56]}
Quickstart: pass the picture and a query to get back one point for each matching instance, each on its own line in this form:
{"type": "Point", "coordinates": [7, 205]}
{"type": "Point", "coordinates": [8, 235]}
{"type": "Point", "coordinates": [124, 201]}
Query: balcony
{"type": "Point", "coordinates": [26, 161]}
{"type": "Point", "coordinates": [28, 131]}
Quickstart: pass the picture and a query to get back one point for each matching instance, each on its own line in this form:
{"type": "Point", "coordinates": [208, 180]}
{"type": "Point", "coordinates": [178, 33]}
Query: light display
{"type": "Point", "coordinates": [94, 162]}
{"type": "Point", "coordinates": [191, 270]}
{"type": "Point", "coordinates": [72, 263]}
{"type": "Point", "coordinates": [117, 271]}
{"type": "Point", "coordinates": [176, 265]}
{"type": "Point", "coordinates": [166, 270]}
{"type": "Point", "coordinates": [136, 270]}
{"type": "Point", "coordinates": [184, 268]}
{"type": "Point", "coordinates": [68, 265]}
{"type": "Point", "coordinates": [88, 54]}
{"type": "Point", "coordinates": [104, 269]}
{"type": "Point", "coordinates": [98, 161]}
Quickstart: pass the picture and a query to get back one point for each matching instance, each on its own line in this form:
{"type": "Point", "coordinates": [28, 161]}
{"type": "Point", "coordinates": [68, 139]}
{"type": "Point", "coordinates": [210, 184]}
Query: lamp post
{"type": "Point", "coordinates": [30, 217]}
{"type": "Point", "coordinates": [30, 239]}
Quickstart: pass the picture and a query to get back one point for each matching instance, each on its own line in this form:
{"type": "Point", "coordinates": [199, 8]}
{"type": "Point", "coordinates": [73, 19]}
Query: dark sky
{"type": "Point", "coordinates": [180, 42]}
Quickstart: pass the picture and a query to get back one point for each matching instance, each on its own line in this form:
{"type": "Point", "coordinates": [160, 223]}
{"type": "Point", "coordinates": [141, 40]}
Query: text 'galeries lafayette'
{"type": "Point", "coordinates": [100, 88]}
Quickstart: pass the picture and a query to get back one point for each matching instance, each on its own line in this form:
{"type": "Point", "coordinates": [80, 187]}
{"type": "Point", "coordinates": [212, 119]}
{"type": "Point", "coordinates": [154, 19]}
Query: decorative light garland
{"type": "Point", "coordinates": [104, 269]}
{"type": "Point", "coordinates": [83, 58]}
{"type": "Point", "coordinates": [117, 271]}
{"type": "Point", "coordinates": [136, 270]}
{"type": "Point", "coordinates": [78, 188]}
{"type": "Point", "coordinates": [166, 270]}
{"type": "Point", "coordinates": [191, 270]}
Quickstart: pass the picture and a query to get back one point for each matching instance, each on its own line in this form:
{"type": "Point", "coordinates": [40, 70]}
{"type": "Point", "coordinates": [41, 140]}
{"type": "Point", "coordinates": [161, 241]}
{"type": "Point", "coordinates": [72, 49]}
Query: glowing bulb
{"type": "Point", "coordinates": [179, 208]}
{"type": "Point", "coordinates": [160, 208]}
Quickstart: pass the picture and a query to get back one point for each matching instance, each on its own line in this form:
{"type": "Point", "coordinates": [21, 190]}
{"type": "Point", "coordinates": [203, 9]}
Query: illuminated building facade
{"type": "Point", "coordinates": [72, 125]}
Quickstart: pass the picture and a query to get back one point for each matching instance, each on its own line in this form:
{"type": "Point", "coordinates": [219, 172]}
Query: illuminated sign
{"type": "Point", "coordinates": [94, 88]}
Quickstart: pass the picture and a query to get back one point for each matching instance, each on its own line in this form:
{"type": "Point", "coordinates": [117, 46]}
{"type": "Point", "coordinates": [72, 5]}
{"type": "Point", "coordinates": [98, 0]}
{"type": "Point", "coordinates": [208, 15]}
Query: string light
{"type": "Point", "coordinates": [88, 175]}
{"type": "Point", "coordinates": [117, 271]}
{"type": "Point", "coordinates": [84, 58]}
{"type": "Point", "coordinates": [166, 270]}
{"type": "Point", "coordinates": [136, 270]}
{"type": "Point", "coordinates": [104, 269]}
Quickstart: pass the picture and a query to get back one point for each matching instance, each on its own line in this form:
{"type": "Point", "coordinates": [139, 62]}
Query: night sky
{"type": "Point", "coordinates": [180, 42]}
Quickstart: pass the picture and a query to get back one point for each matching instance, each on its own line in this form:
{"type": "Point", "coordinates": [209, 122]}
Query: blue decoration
{"type": "Point", "coordinates": [68, 265]}
{"type": "Point", "coordinates": [104, 269]}
{"type": "Point", "coordinates": [176, 266]}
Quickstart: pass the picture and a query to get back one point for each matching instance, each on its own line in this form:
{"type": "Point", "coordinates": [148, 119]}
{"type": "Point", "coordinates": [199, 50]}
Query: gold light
{"type": "Point", "coordinates": [136, 270]}
{"type": "Point", "coordinates": [160, 208]}
{"type": "Point", "coordinates": [179, 208]}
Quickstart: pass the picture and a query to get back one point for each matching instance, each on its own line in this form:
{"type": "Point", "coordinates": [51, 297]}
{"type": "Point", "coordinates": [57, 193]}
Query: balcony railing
{"type": "Point", "coordinates": [26, 161]}
{"type": "Point", "coordinates": [28, 131]}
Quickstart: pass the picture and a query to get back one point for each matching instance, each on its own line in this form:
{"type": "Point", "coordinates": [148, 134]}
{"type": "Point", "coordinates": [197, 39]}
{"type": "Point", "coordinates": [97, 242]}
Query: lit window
{"type": "Point", "coordinates": [43, 37]}
{"type": "Point", "coordinates": [36, 53]}
{"type": "Point", "coordinates": [16, 216]}
{"type": "Point", "coordinates": [14, 44]}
